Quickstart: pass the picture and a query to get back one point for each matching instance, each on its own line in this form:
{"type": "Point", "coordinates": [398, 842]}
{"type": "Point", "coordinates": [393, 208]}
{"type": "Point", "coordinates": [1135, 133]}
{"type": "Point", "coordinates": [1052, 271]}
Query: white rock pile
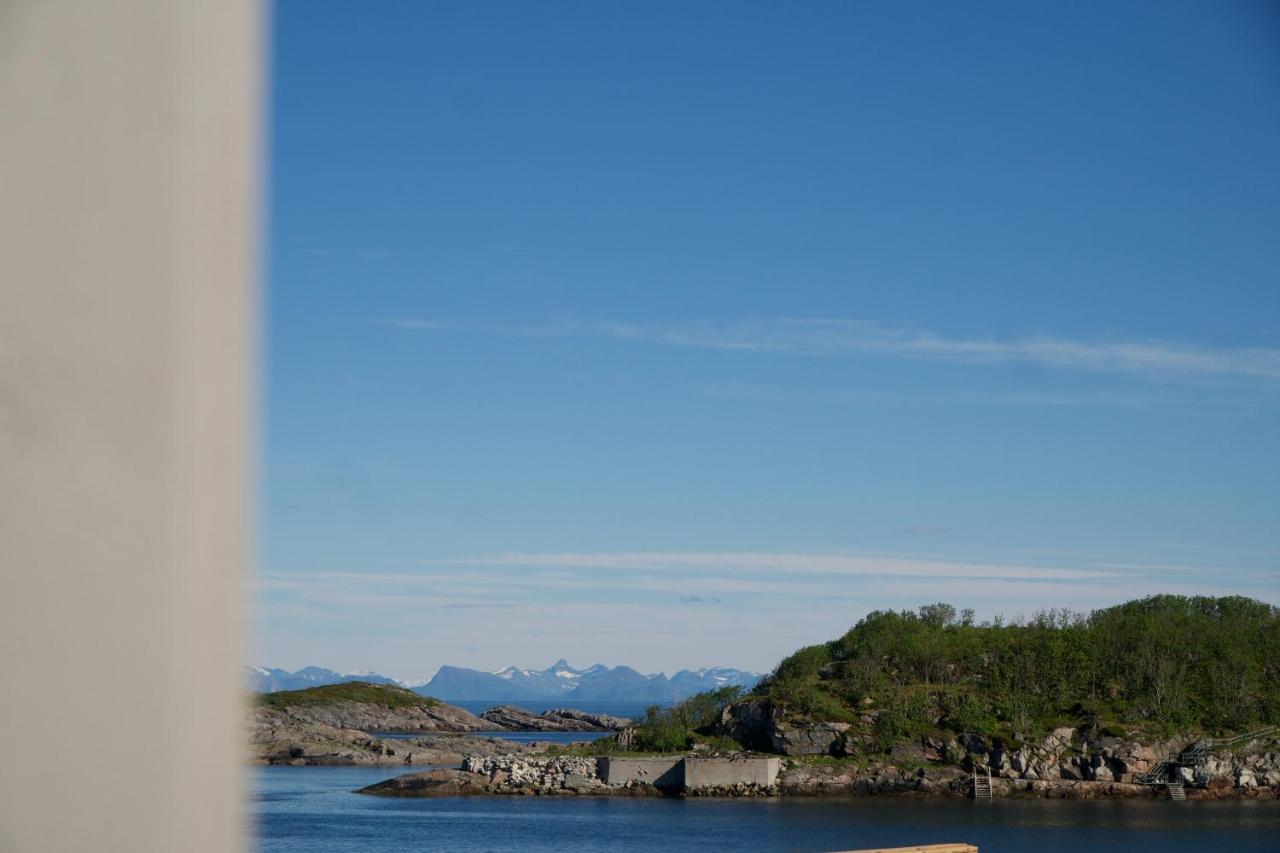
{"type": "Point", "coordinates": [541, 774]}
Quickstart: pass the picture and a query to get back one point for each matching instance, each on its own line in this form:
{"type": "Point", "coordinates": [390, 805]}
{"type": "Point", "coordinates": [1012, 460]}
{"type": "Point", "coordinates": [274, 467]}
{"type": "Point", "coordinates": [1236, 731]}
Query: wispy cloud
{"type": "Point", "coordinates": [769, 563]}
{"type": "Point", "coordinates": [923, 530]}
{"type": "Point", "coordinates": [551, 604]}
{"type": "Point", "coordinates": [416, 324]}
{"type": "Point", "coordinates": [816, 336]}
{"type": "Point", "coordinates": [835, 336]}
{"type": "Point", "coordinates": [1100, 399]}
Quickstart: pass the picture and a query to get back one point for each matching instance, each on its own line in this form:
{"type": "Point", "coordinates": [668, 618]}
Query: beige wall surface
{"type": "Point", "coordinates": [724, 772]}
{"type": "Point", "coordinates": [128, 149]}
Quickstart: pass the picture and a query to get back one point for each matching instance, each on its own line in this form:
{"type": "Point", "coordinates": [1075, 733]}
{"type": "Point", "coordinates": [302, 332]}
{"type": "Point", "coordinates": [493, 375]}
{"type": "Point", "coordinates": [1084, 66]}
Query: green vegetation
{"type": "Point", "coordinates": [665, 730]}
{"type": "Point", "coordinates": [1162, 663]}
{"type": "Point", "coordinates": [675, 729]}
{"type": "Point", "coordinates": [386, 695]}
{"type": "Point", "coordinates": [607, 745]}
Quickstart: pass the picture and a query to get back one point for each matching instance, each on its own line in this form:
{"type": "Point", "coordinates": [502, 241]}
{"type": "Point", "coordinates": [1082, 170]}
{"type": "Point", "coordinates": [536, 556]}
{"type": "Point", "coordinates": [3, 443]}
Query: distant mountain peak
{"type": "Point", "coordinates": [560, 681]}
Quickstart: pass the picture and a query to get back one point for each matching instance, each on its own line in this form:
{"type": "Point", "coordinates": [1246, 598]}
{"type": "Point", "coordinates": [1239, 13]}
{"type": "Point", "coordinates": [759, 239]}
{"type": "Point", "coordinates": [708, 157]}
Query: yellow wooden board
{"type": "Point", "coordinates": [920, 848]}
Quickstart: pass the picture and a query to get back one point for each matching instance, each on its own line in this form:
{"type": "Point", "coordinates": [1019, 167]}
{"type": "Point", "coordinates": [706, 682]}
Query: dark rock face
{"type": "Point", "coordinates": [432, 783]}
{"type": "Point", "coordinates": [811, 739]}
{"type": "Point", "coordinates": [750, 723]}
{"type": "Point", "coordinates": [755, 724]}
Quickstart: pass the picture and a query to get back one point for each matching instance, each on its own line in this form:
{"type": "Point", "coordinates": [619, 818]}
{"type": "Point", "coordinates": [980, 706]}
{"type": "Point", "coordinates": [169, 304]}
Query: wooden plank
{"type": "Point", "coordinates": [921, 848]}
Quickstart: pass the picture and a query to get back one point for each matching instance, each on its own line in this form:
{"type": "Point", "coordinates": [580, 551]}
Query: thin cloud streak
{"type": "Point", "coordinates": [784, 563]}
{"type": "Point", "coordinates": [820, 336]}
{"type": "Point", "coordinates": [1037, 399]}
{"type": "Point", "coordinates": [415, 324]}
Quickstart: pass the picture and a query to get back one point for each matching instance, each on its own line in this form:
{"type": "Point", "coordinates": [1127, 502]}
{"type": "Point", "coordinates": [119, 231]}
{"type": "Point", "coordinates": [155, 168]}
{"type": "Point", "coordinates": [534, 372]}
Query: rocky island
{"type": "Point", "coordinates": [1163, 697]}
{"type": "Point", "coordinates": [341, 724]}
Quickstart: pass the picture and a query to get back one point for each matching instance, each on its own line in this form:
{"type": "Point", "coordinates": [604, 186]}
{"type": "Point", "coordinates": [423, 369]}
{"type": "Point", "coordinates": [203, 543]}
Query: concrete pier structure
{"type": "Point", "coordinates": [679, 774]}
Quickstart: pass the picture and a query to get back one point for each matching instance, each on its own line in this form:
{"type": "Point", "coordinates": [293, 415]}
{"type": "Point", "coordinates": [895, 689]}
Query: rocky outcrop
{"type": "Point", "coordinates": [602, 722]}
{"type": "Point", "coordinates": [1066, 763]}
{"type": "Point", "coordinates": [1073, 755]}
{"type": "Point", "coordinates": [371, 717]}
{"type": "Point", "coordinates": [1065, 754]}
{"type": "Point", "coordinates": [847, 779]}
{"type": "Point", "coordinates": [757, 724]}
{"type": "Point", "coordinates": [431, 783]}
{"type": "Point", "coordinates": [340, 724]}
{"type": "Point", "coordinates": [558, 720]}
{"type": "Point", "coordinates": [517, 774]}
{"type": "Point", "coordinates": [810, 739]}
{"type": "Point", "coordinates": [750, 723]}
{"type": "Point", "coordinates": [275, 738]}
{"type": "Point", "coordinates": [505, 775]}
{"type": "Point", "coordinates": [571, 775]}
{"type": "Point", "coordinates": [1075, 762]}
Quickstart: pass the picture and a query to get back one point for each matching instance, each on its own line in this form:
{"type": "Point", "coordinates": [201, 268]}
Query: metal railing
{"type": "Point", "coordinates": [1196, 754]}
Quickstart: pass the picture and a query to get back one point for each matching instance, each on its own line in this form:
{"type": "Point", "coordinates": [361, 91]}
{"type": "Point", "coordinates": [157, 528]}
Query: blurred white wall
{"type": "Point", "coordinates": [128, 152]}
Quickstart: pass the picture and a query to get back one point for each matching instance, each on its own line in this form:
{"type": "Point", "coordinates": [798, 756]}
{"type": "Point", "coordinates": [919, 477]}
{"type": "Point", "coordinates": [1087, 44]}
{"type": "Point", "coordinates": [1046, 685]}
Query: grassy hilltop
{"type": "Point", "coordinates": [1159, 665]}
{"type": "Point", "coordinates": [383, 695]}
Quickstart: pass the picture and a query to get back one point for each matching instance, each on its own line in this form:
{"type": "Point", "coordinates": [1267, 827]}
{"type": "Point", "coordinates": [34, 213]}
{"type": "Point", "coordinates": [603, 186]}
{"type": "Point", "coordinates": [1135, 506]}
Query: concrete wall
{"type": "Point", "coordinates": [723, 772]}
{"type": "Point", "coordinates": [662, 772]}
{"type": "Point", "coordinates": [680, 773]}
{"type": "Point", "coordinates": [128, 139]}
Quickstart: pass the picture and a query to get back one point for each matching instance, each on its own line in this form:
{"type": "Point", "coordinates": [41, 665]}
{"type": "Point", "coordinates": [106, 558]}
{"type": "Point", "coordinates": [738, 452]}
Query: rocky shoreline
{"type": "Point", "coordinates": [809, 760]}
{"type": "Point", "coordinates": [1066, 764]}
{"type": "Point", "coordinates": [309, 728]}
{"type": "Point", "coordinates": [1069, 762]}
{"type": "Point", "coordinates": [820, 781]}
{"type": "Point", "coordinates": [1062, 766]}
{"type": "Point", "coordinates": [531, 775]}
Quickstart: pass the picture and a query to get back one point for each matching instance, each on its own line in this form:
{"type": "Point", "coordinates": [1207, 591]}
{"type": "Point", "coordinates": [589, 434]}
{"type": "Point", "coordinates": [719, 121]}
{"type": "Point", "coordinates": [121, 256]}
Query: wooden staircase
{"type": "Point", "coordinates": [982, 784]}
{"type": "Point", "coordinates": [1177, 790]}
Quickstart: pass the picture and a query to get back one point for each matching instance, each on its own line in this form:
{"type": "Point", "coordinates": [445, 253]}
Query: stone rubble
{"type": "Point", "coordinates": [1062, 765]}
{"type": "Point", "coordinates": [1067, 762]}
{"type": "Point", "coordinates": [515, 773]}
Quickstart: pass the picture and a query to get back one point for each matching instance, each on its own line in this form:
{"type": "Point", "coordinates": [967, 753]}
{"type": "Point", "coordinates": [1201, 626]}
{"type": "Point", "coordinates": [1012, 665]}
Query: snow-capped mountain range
{"type": "Point", "coordinates": [264, 680]}
{"type": "Point", "coordinates": [593, 684]}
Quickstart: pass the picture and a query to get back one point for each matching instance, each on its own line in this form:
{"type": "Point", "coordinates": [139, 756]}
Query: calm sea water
{"type": "Point", "coordinates": [314, 809]}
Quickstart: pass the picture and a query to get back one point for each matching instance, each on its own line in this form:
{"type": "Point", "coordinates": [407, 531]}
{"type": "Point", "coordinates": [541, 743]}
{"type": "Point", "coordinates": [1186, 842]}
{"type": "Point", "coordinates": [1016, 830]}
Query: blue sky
{"type": "Point", "coordinates": [678, 334]}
